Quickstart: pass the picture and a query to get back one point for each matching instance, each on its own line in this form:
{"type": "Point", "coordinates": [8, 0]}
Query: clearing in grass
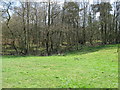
{"type": "Point", "coordinates": [91, 67]}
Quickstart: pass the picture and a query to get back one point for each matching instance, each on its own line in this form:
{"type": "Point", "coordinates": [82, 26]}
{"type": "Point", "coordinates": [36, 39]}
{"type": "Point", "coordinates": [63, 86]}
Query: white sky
{"type": "Point", "coordinates": [1, 6]}
{"type": "Point", "coordinates": [91, 1]}
{"type": "Point", "coordinates": [59, 1]}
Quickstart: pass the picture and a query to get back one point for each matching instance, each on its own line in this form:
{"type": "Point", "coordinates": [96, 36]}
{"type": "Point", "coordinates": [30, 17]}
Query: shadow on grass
{"type": "Point", "coordinates": [13, 56]}
{"type": "Point", "coordinates": [90, 49]}
{"type": "Point", "coordinates": [83, 50]}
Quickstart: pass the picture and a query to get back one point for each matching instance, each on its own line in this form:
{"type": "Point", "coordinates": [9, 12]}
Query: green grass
{"type": "Point", "coordinates": [88, 68]}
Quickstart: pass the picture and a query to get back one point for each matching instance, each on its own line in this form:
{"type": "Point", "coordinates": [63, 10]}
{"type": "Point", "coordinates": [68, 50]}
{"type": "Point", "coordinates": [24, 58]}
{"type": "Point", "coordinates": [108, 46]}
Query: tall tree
{"type": "Point", "coordinates": [104, 8]}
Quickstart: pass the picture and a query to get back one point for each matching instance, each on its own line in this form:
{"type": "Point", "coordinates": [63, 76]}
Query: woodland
{"type": "Point", "coordinates": [47, 28]}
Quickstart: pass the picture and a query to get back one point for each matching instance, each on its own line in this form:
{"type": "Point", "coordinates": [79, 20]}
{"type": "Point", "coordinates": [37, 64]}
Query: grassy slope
{"type": "Point", "coordinates": [89, 68]}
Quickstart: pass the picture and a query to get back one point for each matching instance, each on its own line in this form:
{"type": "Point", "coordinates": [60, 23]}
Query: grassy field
{"type": "Point", "coordinates": [88, 68]}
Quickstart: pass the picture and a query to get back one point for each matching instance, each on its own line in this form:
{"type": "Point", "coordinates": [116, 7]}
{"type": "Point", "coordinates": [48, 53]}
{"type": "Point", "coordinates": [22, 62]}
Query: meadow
{"type": "Point", "coordinates": [90, 67]}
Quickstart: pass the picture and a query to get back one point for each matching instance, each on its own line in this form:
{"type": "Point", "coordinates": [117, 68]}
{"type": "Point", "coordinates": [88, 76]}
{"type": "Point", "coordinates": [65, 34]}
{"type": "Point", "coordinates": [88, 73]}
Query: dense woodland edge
{"type": "Point", "coordinates": [47, 28]}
